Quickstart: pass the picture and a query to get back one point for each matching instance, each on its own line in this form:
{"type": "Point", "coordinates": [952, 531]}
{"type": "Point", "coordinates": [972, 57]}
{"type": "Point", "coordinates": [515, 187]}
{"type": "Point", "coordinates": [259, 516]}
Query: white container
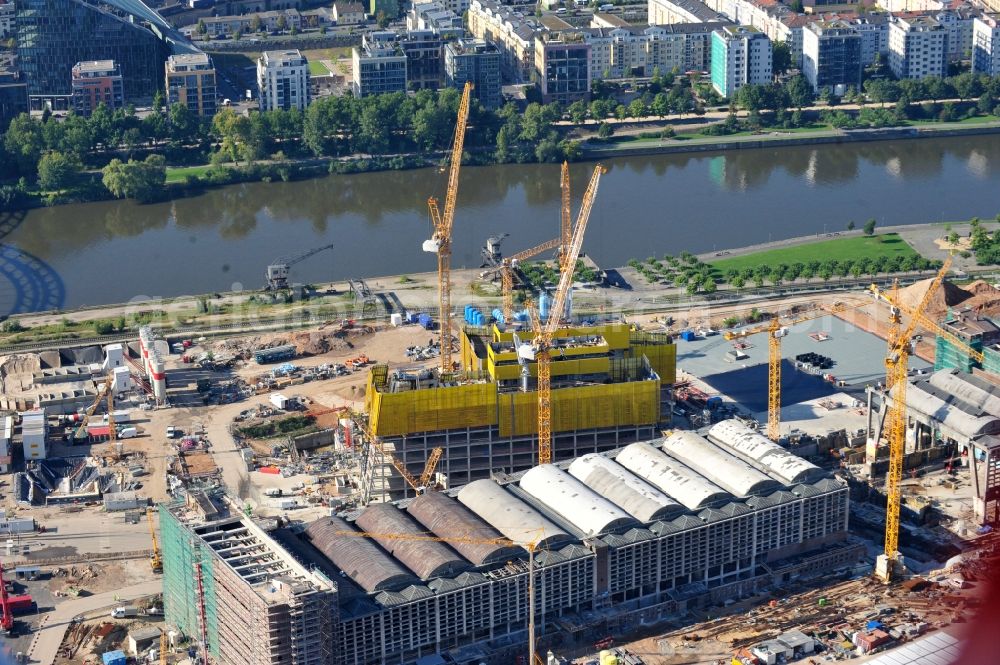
{"type": "Point", "coordinates": [396, 319]}
{"type": "Point", "coordinates": [279, 401]}
{"type": "Point", "coordinates": [128, 433]}
{"type": "Point", "coordinates": [286, 504]}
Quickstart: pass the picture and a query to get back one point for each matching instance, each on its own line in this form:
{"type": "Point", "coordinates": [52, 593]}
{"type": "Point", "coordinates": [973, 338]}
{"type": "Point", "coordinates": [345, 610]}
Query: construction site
{"type": "Point", "coordinates": [519, 477]}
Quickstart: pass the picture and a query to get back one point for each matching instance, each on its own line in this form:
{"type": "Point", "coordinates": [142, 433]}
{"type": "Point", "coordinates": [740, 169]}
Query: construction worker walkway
{"type": "Point", "coordinates": [49, 637]}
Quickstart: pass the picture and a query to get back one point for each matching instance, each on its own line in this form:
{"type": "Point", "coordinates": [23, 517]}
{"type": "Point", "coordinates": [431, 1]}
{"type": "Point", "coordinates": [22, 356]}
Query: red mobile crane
{"type": "Point", "coordinates": [7, 623]}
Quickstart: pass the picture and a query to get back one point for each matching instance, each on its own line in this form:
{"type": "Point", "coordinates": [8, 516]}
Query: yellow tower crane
{"type": "Point", "coordinates": [561, 243]}
{"type": "Point", "coordinates": [507, 273]}
{"type": "Point", "coordinates": [543, 333]}
{"type": "Point", "coordinates": [440, 242]}
{"type": "Point", "coordinates": [566, 216]}
{"type": "Point", "coordinates": [155, 560]}
{"type": "Point", "coordinates": [896, 365]}
{"type": "Point", "coordinates": [926, 322]}
{"type": "Point", "coordinates": [530, 547]}
{"type": "Point", "coordinates": [775, 331]}
{"type": "Point", "coordinates": [419, 485]}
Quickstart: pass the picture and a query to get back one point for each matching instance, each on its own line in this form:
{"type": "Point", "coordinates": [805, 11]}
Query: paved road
{"type": "Point", "coordinates": [50, 635]}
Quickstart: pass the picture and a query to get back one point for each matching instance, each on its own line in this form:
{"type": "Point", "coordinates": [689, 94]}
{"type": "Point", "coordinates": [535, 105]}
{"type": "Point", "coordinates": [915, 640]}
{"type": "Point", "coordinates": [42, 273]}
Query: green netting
{"type": "Point", "coordinates": [180, 584]}
{"type": "Point", "coordinates": [949, 356]}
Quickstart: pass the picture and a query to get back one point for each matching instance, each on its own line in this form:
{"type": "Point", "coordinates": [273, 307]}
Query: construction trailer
{"type": "Point", "coordinates": [629, 537]}
{"type": "Point", "coordinates": [610, 386]}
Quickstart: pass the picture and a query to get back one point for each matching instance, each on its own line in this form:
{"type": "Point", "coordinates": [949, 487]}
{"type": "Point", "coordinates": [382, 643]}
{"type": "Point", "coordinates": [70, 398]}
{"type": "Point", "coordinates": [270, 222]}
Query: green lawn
{"type": "Point", "coordinates": [178, 173]}
{"type": "Point", "coordinates": [853, 248]}
{"type": "Point", "coordinates": [317, 68]}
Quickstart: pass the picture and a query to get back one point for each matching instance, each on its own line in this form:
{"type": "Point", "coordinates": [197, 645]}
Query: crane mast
{"type": "Point", "coordinates": [440, 242]}
{"type": "Point", "coordinates": [566, 216]}
{"type": "Point", "coordinates": [544, 332]}
{"type": "Point", "coordinates": [896, 364]}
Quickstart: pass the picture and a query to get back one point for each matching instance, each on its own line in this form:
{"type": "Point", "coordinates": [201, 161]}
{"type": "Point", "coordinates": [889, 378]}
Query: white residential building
{"type": "Point", "coordinates": [874, 31]}
{"type": "Point", "coordinates": [986, 45]}
{"type": "Point", "coordinates": [664, 12]}
{"type": "Point", "coordinates": [918, 47]}
{"type": "Point", "coordinates": [959, 24]}
{"type": "Point", "coordinates": [632, 51]}
{"type": "Point", "coordinates": [512, 31]}
{"type": "Point", "coordinates": [283, 80]}
{"type": "Point", "coordinates": [741, 55]}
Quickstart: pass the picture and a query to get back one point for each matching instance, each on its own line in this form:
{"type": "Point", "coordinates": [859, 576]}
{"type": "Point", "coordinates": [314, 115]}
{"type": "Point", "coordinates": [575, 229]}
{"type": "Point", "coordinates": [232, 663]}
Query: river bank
{"type": "Point", "coordinates": [779, 139]}
{"type": "Point", "coordinates": [226, 312]}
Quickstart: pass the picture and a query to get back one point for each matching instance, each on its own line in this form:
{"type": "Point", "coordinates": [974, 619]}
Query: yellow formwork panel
{"type": "Point", "coordinates": [662, 358]}
{"type": "Point", "coordinates": [453, 407]}
{"type": "Point", "coordinates": [572, 367]}
{"type": "Point", "coordinates": [583, 407]}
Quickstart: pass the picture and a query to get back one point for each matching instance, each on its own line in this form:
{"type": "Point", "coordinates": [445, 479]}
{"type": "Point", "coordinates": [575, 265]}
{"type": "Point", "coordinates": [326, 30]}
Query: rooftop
{"type": "Point", "coordinates": [286, 57]}
{"type": "Point", "coordinates": [95, 66]}
{"type": "Point", "coordinates": [189, 60]}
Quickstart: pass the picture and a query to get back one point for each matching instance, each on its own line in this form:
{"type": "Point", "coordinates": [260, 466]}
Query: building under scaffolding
{"type": "Point", "coordinates": [610, 386]}
{"type": "Point", "coordinates": [624, 538]}
{"type": "Point", "coordinates": [227, 581]}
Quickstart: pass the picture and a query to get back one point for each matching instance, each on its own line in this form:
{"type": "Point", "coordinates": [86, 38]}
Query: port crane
{"type": "Point", "coordinates": [540, 347]}
{"type": "Point", "coordinates": [276, 275]}
{"type": "Point", "coordinates": [775, 332]}
{"type": "Point", "coordinates": [896, 365]}
{"type": "Point", "coordinates": [440, 242]}
{"type": "Point", "coordinates": [155, 560]}
{"type": "Point", "coordinates": [530, 547]}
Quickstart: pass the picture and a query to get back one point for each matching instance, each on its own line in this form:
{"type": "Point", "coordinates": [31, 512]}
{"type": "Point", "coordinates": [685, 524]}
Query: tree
{"type": "Point", "coordinates": [201, 28]}
{"type": "Point", "coordinates": [604, 130]}
{"type": "Point", "coordinates": [57, 170]}
{"type": "Point", "coordinates": [24, 143]}
{"type": "Point", "coordinates": [869, 227]}
{"type": "Point", "coordinates": [184, 124]}
{"type": "Point", "coordinates": [282, 23]}
{"type": "Point", "coordinates": [382, 19]}
{"type": "Point", "coordinates": [800, 93]}
{"type": "Point", "coordinates": [255, 23]}
{"type": "Point", "coordinates": [781, 57]}
{"type": "Point", "coordinates": [577, 111]}
{"type": "Point", "coordinates": [850, 225]}
{"type": "Point", "coordinates": [139, 180]}
{"type": "Point", "coordinates": [637, 108]}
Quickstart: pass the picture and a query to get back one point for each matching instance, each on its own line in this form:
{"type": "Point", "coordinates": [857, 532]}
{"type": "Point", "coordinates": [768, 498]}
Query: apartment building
{"type": "Point", "coordinates": [664, 12]}
{"type": "Point", "coordinates": [512, 32]}
{"type": "Point", "coordinates": [437, 17]}
{"type": "Point", "coordinates": [475, 60]}
{"type": "Point", "coordinates": [283, 80]}
{"type": "Point", "coordinates": [874, 31]}
{"type": "Point", "coordinates": [918, 47]}
{"type": "Point", "coordinates": [191, 82]}
{"type": "Point", "coordinates": [424, 63]}
{"type": "Point", "coordinates": [958, 23]}
{"type": "Point", "coordinates": [831, 55]}
{"type": "Point", "coordinates": [562, 66]}
{"type": "Point", "coordinates": [741, 55]}
{"type": "Point", "coordinates": [379, 65]}
{"type": "Point", "coordinates": [986, 45]}
{"type": "Point", "coordinates": [97, 82]}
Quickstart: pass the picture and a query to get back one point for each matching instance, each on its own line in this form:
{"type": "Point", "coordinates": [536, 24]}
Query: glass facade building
{"type": "Point", "coordinates": [54, 35]}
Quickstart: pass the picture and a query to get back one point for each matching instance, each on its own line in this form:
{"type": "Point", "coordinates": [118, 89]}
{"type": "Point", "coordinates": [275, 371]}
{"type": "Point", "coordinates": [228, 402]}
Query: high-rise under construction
{"type": "Point", "coordinates": [610, 386]}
